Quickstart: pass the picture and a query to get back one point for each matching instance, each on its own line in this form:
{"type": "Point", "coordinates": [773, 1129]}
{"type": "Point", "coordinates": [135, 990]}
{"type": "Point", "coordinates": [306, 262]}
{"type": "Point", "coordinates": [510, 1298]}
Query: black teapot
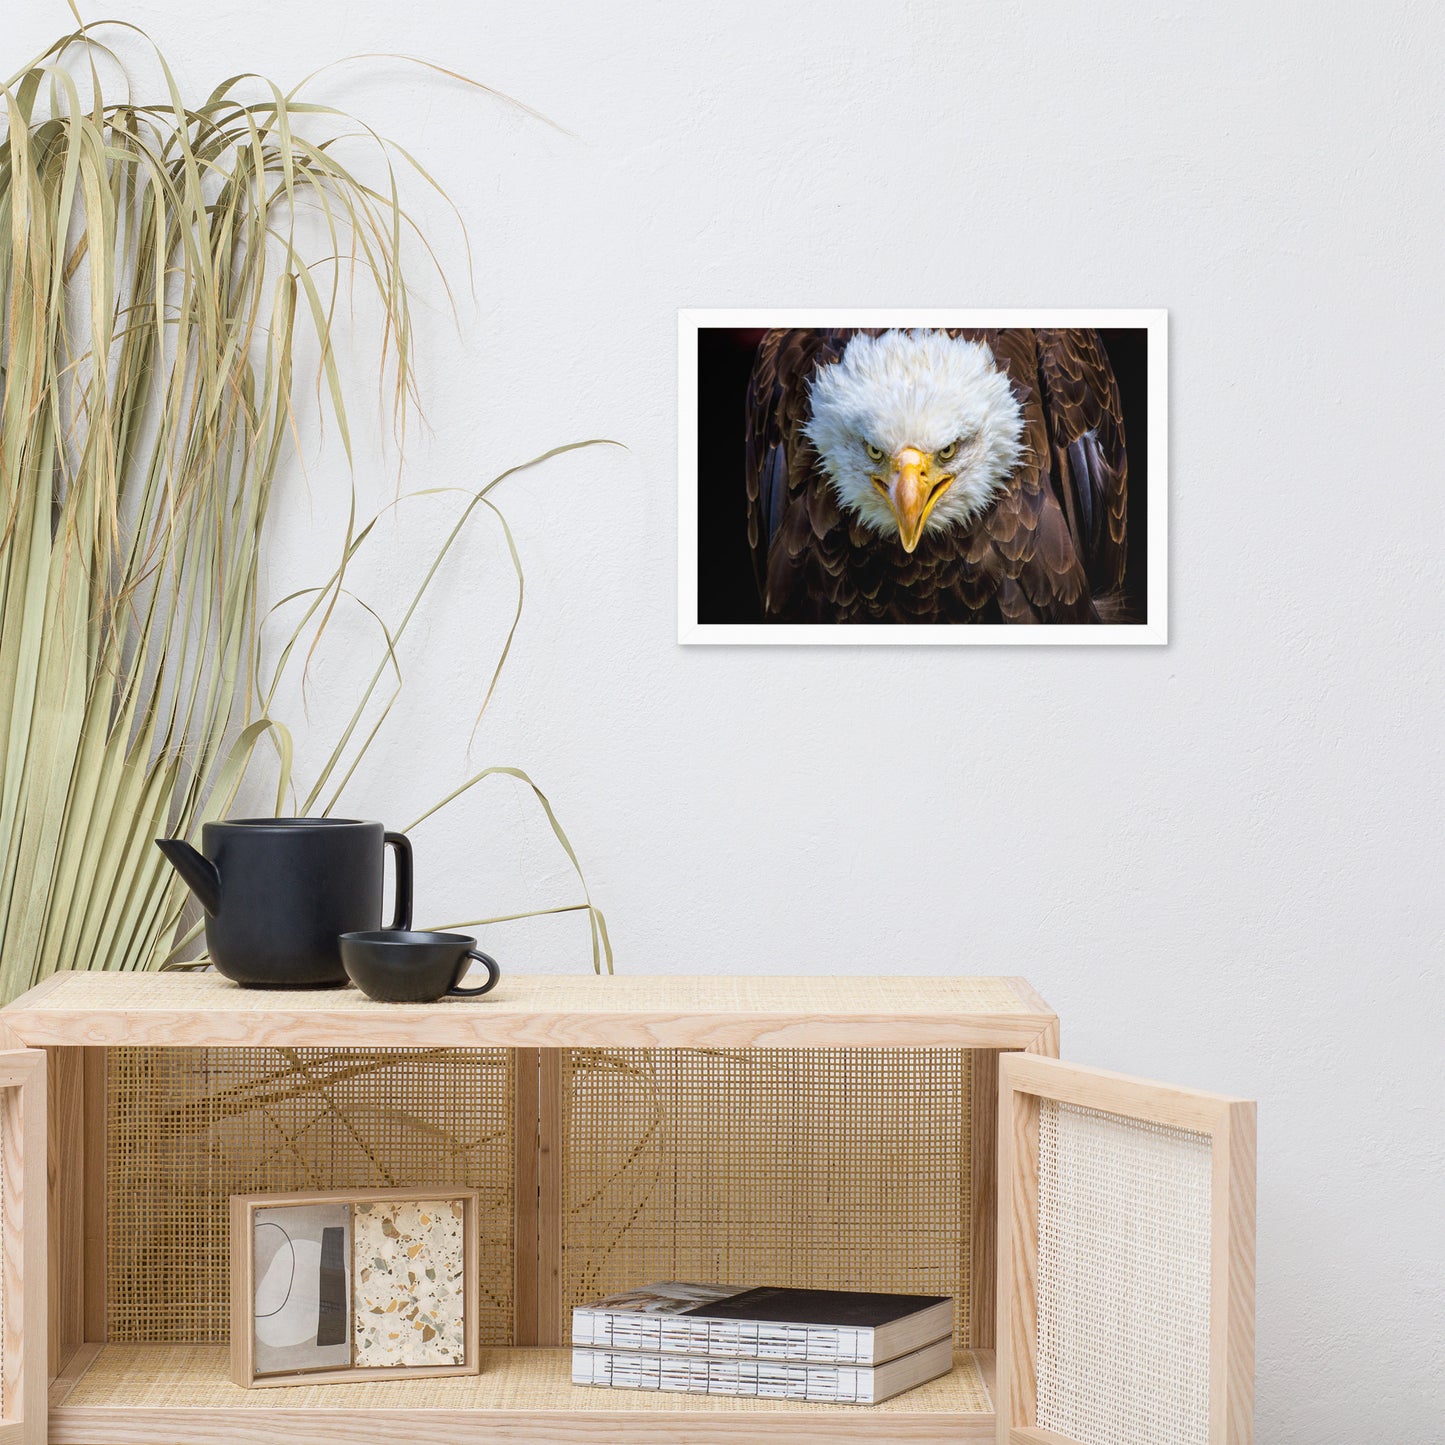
{"type": "Point", "coordinates": [278, 892]}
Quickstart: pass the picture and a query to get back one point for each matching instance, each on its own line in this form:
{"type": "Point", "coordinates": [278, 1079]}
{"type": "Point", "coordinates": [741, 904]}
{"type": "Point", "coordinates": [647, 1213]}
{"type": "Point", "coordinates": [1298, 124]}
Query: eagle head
{"type": "Point", "coordinates": [917, 430]}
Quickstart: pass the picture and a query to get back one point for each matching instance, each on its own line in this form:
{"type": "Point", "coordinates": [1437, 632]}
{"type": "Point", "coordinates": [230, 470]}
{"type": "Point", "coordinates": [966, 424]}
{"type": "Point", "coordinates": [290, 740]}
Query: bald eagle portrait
{"type": "Point", "coordinates": [937, 476]}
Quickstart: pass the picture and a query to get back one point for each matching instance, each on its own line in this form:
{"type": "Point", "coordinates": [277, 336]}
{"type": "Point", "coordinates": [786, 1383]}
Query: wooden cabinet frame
{"type": "Point", "coordinates": [77, 1018]}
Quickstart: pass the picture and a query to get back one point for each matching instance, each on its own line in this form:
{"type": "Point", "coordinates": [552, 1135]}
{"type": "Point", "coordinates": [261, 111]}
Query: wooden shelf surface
{"type": "Point", "coordinates": [180, 1395]}
{"type": "Point", "coordinates": [538, 1011]}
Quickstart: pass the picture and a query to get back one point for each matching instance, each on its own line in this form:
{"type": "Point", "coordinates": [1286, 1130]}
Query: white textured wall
{"type": "Point", "coordinates": [1220, 861]}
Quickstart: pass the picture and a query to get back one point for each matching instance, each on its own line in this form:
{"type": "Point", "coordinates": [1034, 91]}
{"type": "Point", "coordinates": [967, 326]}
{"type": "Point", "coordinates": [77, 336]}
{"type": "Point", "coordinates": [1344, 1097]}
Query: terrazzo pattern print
{"type": "Point", "coordinates": [409, 1291]}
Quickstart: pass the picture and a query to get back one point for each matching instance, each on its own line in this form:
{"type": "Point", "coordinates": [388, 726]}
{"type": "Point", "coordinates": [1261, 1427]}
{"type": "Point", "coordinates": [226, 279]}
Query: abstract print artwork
{"type": "Point", "coordinates": [328, 1286]}
{"type": "Point", "coordinates": [909, 477]}
{"type": "Point", "coordinates": [302, 1294]}
{"type": "Point", "coordinates": [410, 1306]}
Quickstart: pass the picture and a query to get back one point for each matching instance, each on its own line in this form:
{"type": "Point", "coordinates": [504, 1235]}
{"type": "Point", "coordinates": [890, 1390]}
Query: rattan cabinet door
{"type": "Point", "coordinates": [23, 1259]}
{"type": "Point", "coordinates": [1126, 1260]}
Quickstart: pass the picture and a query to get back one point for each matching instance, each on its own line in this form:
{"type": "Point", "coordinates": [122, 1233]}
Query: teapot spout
{"type": "Point", "coordinates": [199, 873]}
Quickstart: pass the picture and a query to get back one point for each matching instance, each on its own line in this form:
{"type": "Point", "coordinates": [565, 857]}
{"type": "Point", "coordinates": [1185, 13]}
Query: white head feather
{"type": "Point", "coordinates": [922, 389]}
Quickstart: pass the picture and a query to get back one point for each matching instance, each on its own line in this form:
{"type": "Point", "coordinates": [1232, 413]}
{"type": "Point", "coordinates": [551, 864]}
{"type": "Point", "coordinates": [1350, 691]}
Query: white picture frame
{"type": "Point", "coordinates": [691, 630]}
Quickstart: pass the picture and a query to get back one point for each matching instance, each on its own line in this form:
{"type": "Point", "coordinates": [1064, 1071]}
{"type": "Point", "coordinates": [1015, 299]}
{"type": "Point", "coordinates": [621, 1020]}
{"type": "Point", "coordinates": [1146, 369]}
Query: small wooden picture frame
{"type": "Point", "coordinates": [364, 1284]}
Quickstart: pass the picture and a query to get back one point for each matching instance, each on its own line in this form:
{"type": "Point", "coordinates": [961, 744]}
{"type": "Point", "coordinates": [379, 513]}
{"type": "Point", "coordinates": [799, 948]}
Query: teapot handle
{"type": "Point", "coordinates": [402, 844]}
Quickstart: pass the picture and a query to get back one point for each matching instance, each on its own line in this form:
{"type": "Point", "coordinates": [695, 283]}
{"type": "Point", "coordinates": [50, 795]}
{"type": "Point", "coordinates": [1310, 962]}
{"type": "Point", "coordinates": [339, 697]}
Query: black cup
{"type": "Point", "coordinates": [393, 965]}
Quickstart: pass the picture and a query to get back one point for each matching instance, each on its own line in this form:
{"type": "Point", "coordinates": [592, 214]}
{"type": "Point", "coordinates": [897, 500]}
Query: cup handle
{"type": "Point", "coordinates": [400, 842]}
{"type": "Point", "coordinates": [494, 972]}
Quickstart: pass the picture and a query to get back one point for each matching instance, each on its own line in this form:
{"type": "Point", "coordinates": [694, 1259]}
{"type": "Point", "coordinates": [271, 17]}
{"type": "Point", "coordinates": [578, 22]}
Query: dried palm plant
{"type": "Point", "coordinates": [156, 292]}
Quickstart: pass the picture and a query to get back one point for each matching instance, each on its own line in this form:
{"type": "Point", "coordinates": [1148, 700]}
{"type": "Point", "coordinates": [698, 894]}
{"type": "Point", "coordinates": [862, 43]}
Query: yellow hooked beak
{"type": "Point", "coordinates": [912, 489]}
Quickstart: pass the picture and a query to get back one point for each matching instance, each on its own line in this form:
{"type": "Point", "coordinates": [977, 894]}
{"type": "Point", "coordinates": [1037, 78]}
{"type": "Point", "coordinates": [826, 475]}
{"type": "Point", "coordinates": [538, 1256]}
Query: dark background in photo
{"type": "Point", "coordinates": [725, 588]}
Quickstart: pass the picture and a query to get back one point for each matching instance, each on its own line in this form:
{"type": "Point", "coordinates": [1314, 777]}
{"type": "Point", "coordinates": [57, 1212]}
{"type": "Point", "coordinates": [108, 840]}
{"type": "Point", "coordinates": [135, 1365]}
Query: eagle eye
{"type": "Point", "coordinates": [875, 454]}
{"type": "Point", "coordinates": [947, 454]}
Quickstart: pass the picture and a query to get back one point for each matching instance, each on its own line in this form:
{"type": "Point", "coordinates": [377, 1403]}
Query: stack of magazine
{"type": "Point", "coordinates": [833, 1346]}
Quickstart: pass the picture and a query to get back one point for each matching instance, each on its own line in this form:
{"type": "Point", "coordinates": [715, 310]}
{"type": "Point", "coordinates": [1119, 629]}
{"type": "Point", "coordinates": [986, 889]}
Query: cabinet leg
{"type": "Point", "coordinates": [65, 1087]}
{"type": "Point", "coordinates": [526, 1106]}
{"type": "Point", "coordinates": [94, 1069]}
{"type": "Point", "coordinates": [537, 1181]}
{"type": "Point", "coordinates": [550, 1325]}
{"type": "Point", "coordinates": [983, 1235]}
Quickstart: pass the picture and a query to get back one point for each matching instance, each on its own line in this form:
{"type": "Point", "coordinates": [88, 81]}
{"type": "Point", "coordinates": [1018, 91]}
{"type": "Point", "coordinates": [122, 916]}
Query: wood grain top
{"type": "Point", "coordinates": [539, 1011]}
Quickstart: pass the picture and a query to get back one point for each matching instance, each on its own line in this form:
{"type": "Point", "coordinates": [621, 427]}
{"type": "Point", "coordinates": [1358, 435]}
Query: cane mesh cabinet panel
{"type": "Point", "coordinates": [1126, 1217]}
{"type": "Point", "coordinates": [820, 1131]}
{"type": "Point", "coordinates": [1123, 1284]}
{"type": "Point", "coordinates": [830, 1168]}
{"type": "Point", "coordinates": [187, 1128]}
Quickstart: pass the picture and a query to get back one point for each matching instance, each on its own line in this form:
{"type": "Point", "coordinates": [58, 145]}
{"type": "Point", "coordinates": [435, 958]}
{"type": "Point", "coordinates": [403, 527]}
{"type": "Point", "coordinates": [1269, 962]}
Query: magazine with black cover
{"type": "Point", "coordinates": [765, 1322]}
{"type": "Point", "coordinates": [766, 1379]}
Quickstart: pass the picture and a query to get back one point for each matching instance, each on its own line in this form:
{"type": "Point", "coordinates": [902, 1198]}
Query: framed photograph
{"type": "Point", "coordinates": [350, 1286]}
{"type": "Point", "coordinates": [923, 476]}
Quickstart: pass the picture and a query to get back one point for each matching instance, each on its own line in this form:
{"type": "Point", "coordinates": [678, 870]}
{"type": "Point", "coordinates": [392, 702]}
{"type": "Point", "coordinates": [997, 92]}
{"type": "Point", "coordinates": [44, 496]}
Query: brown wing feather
{"type": "Point", "coordinates": [1024, 542]}
{"type": "Point", "coordinates": [763, 448]}
{"type": "Point", "coordinates": [789, 511]}
{"type": "Point", "coordinates": [1088, 456]}
{"type": "Point", "coordinates": [1032, 540]}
